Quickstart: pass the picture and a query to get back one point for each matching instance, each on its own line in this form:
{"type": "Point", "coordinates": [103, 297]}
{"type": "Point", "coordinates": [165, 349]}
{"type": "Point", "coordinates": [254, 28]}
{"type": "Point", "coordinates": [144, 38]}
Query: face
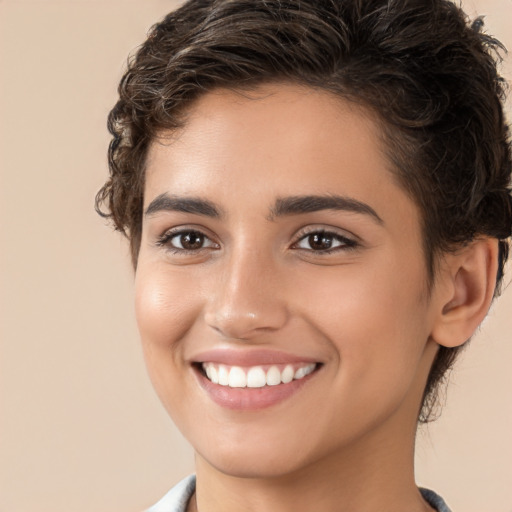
{"type": "Point", "coordinates": [281, 286]}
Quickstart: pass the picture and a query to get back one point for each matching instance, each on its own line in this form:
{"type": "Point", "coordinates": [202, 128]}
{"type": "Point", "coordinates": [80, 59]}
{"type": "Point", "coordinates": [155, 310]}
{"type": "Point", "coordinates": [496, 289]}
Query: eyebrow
{"type": "Point", "coordinates": [283, 206]}
{"type": "Point", "coordinates": [196, 205]}
{"type": "Point", "coordinates": [294, 205]}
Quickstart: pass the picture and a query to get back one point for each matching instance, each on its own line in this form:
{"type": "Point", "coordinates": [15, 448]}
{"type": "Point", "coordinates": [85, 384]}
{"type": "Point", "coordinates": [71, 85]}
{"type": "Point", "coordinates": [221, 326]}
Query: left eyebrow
{"type": "Point", "coordinates": [294, 205]}
{"type": "Point", "coordinates": [195, 205]}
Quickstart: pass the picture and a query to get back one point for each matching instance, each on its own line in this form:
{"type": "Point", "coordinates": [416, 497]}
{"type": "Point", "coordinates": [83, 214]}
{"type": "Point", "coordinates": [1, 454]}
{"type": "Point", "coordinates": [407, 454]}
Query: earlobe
{"type": "Point", "coordinates": [469, 281]}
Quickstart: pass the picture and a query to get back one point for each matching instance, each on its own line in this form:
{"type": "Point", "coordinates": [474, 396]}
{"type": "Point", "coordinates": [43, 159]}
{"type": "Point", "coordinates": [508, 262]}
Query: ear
{"type": "Point", "coordinates": [464, 295]}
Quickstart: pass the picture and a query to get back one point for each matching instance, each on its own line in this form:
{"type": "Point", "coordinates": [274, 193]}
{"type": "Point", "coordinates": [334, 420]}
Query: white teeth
{"type": "Point", "coordinates": [254, 377]}
{"type": "Point", "coordinates": [273, 376]}
{"type": "Point", "coordinates": [223, 375]}
{"type": "Point", "coordinates": [214, 374]}
{"type": "Point", "coordinates": [300, 373]}
{"type": "Point", "coordinates": [237, 378]}
{"type": "Point", "coordinates": [288, 374]}
{"type": "Point", "coordinates": [310, 368]}
{"type": "Point", "coordinates": [304, 370]}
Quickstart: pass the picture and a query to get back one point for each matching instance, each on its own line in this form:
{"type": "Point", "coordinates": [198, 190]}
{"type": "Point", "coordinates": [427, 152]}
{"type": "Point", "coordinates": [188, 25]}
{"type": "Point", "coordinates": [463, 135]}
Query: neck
{"type": "Point", "coordinates": [372, 475]}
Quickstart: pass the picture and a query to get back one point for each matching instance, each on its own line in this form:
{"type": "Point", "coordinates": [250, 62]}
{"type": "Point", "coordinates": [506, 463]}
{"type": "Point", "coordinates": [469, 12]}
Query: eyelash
{"type": "Point", "coordinates": [165, 241]}
{"type": "Point", "coordinates": [346, 243]}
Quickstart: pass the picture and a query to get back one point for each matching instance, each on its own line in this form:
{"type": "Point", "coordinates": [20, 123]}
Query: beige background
{"type": "Point", "coordinates": [80, 428]}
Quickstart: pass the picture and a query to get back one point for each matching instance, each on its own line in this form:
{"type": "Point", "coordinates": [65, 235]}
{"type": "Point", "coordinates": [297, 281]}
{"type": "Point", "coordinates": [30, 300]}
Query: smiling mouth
{"type": "Point", "coordinates": [255, 376]}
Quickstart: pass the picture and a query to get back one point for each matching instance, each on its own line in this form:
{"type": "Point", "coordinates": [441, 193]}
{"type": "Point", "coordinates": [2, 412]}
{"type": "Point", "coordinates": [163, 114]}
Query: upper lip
{"type": "Point", "coordinates": [249, 357]}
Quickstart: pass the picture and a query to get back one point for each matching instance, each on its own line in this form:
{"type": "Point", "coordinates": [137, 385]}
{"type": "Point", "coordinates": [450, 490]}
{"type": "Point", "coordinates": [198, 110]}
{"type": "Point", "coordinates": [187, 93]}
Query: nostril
{"type": "Point", "coordinates": [239, 326]}
{"type": "Point", "coordinates": [240, 317]}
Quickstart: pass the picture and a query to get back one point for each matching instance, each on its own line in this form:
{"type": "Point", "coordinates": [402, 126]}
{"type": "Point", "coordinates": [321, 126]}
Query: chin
{"type": "Point", "coordinates": [247, 464]}
{"type": "Point", "coordinates": [268, 456]}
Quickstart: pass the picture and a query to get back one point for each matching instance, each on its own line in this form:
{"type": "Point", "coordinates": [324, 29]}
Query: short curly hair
{"type": "Point", "coordinates": [428, 74]}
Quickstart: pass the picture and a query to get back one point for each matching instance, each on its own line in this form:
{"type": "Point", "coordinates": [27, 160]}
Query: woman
{"type": "Point", "coordinates": [317, 199]}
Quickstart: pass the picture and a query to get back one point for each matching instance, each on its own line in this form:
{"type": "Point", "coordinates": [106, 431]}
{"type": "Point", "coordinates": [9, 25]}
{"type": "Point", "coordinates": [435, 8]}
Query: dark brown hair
{"type": "Point", "coordinates": [428, 74]}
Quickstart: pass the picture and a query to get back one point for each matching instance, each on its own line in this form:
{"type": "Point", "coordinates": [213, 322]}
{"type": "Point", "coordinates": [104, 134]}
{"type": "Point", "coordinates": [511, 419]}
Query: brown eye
{"type": "Point", "coordinates": [186, 240]}
{"type": "Point", "coordinates": [325, 241]}
{"type": "Point", "coordinates": [320, 241]}
{"type": "Point", "coordinates": [191, 240]}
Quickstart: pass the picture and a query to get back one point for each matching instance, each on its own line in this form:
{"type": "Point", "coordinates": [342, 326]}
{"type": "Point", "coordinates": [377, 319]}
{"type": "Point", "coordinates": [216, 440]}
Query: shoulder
{"type": "Point", "coordinates": [434, 500]}
{"type": "Point", "coordinates": [177, 498]}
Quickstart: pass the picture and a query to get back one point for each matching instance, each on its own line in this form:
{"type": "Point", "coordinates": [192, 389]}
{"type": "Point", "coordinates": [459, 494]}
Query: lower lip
{"type": "Point", "coordinates": [246, 399]}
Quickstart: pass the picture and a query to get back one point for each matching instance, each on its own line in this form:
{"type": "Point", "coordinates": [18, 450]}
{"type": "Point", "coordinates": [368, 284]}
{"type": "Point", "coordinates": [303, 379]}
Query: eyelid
{"type": "Point", "coordinates": [325, 228]}
{"type": "Point", "coordinates": [351, 241]}
{"type": "Point", "coordinates": [163, 240]}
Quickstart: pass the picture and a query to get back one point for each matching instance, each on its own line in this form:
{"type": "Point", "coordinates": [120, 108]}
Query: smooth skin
{"type": "Point", "coordinates": [345, 286]}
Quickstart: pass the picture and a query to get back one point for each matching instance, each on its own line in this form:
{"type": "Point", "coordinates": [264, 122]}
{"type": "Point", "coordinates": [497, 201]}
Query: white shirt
{"type": "Point", "coordinates": [176, 500]}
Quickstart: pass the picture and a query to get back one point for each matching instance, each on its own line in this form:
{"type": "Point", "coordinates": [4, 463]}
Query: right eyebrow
{"type": "Point", "coordinates": [195, 205]}
{"type": "Point", "coordinates": [296, 205]}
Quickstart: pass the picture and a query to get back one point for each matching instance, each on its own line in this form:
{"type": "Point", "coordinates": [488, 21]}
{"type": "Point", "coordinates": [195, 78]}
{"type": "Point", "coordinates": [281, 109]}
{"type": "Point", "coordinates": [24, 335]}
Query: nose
{"type": "Point", "coordinates": [249, 299]}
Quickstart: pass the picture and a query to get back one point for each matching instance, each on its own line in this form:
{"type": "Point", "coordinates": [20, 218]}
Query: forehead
{"type": "Point", "coordinates": [276, 140]}
{"type": "Point", "coordinates": [267, 123]}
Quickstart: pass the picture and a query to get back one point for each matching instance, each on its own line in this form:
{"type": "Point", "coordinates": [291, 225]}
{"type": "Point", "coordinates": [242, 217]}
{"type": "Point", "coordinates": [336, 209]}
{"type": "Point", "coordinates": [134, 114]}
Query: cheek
{"type": "Point", "coordinates": [165, 313]}
{"type": "Point", "coordinates": [165, 307]}
{"type": "Point", "coordinates": [376, 317]}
